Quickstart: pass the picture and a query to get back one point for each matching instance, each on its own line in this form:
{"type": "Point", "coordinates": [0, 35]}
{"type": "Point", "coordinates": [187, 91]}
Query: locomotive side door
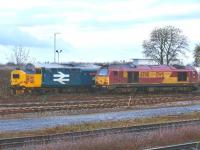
{"type": "Point", "coordinates": [136, 77]}
{"type": "Point", "coordinates": [133, 77]}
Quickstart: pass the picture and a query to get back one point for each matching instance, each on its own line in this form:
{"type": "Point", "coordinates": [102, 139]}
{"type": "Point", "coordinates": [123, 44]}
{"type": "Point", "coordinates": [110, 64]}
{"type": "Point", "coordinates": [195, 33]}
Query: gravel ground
{"type": "Point", "coordinates": [96, 110]}
{"type": "Point", "coordinates": [7, 125]}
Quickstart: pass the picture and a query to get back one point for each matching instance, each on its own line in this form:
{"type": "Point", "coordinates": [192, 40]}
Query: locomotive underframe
{"type": "Point", "coordinates": [43, 90]}
{"type": "Point", "coordinates": [133, 87]}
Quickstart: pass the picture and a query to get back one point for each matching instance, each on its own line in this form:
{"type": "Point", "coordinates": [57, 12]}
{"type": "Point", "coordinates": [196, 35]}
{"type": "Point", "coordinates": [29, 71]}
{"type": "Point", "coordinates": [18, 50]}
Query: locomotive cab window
{"type": "Point", "coordinates": [16, 76]}
{"type": "Point", "coordinates": [182, 76]}
{"type": "Point", "coordinates": [103, 72]}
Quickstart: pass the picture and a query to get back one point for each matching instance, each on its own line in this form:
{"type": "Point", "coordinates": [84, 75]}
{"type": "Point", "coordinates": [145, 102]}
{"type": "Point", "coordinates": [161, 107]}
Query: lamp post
{"type": "Point", "coordinates": [58, 51]}
{"type": "Point", "coordinates": [55, 46]}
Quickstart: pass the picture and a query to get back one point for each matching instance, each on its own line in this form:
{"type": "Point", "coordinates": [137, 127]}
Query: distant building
{"type": "Point", "coordinates": [152, 62]}
{"type": "Point", "coordinates": [144, 62]}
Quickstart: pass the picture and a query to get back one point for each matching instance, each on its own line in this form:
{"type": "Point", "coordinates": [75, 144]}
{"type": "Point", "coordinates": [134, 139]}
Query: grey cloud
{"type": "Point", "coordinates": [13, 36]}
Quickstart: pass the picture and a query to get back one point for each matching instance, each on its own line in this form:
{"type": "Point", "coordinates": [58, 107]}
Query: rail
{"type": "Point", "coordinates": [17, 142]}
{"type": "Point", "coordinates": [104, 102]}
{"type": "Point", "coordinates": [184, 146]}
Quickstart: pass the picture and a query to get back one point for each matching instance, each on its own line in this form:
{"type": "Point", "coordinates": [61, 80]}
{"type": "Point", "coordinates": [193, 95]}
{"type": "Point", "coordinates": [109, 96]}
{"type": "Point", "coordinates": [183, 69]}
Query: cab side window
{"type": "Point", "coordinates": [38, 71]}
{"type": "Point", "coordinates": [182, 76]}
{"type": "Point", "coordinates": [16, 76]}
{"type": "Point", "coordinates": [103, 72]}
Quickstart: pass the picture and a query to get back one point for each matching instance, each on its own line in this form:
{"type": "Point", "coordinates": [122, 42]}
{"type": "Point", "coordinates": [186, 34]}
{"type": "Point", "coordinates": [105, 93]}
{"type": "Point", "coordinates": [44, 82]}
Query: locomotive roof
{"type": "Point", "coordinates": [51, 66]}
{"type": "Point", "coordinates": [78, 66]}
{"type": "Point", "coordinates": [131, 67]}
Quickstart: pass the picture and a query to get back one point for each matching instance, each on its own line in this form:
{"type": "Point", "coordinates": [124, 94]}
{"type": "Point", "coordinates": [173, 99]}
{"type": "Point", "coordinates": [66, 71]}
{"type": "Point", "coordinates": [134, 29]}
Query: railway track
{"type": "Point", "coordinates": [184, 146]}
{"type": "Point", "coordinates": [79, 97]}
{"type": "Point", "coordinates": [18, 142]}
{"type": "Point", "coordinates": [98, 102]}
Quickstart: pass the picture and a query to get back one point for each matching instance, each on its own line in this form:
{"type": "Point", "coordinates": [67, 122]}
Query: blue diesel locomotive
{"type": "Point", "coordinates": [44, 77]}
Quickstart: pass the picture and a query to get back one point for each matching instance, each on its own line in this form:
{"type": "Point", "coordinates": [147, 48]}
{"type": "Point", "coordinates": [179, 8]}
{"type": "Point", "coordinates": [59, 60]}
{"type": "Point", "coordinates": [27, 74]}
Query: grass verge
{"type": "Point", "coordinates": [130, 141]}
{"type": "Point", "coordinates": [100, 125]}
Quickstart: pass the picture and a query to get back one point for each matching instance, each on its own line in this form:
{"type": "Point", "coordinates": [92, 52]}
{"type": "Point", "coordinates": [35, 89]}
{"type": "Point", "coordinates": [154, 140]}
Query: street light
{"type": "Point", "coordinates": [55, 46]}
{"type": "Point", "coordinates": [58, 51]}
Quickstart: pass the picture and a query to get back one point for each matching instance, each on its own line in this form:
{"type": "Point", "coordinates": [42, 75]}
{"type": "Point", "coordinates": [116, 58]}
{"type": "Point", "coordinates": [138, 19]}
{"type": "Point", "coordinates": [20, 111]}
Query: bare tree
{"type": "Point", "coordinates": [197, 55]}
{"type": "Point", "coordinates": [165, 44]}
{"type": "Point", "coordinates": [20, 55]}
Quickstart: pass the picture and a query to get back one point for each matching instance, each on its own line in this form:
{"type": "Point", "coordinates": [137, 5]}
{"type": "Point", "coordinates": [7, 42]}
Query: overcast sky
{"type": "Point", "coordinates": [92, 30]}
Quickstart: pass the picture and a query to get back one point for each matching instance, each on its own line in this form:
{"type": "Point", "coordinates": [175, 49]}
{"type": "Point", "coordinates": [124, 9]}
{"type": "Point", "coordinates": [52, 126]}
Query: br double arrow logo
{"type": "Point", "coordinates": [61, 78]}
